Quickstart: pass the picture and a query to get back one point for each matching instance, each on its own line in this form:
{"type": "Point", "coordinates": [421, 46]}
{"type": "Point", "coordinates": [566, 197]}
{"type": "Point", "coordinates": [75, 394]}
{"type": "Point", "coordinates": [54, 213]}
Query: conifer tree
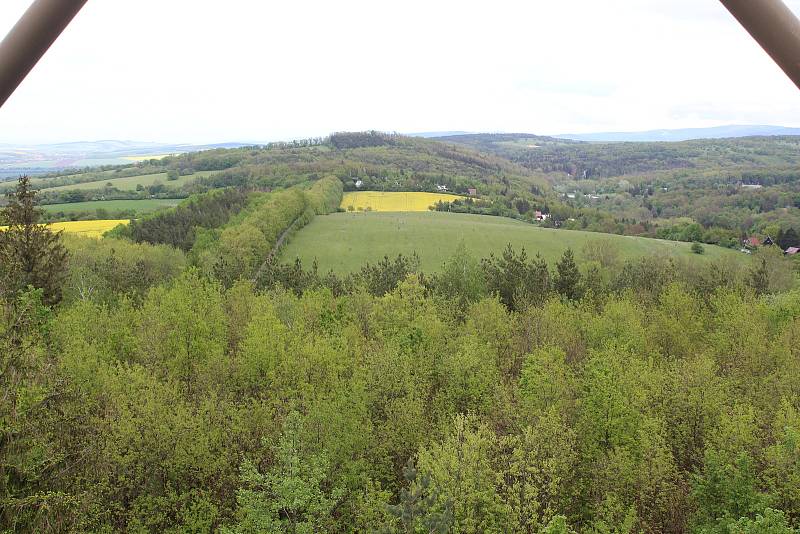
{"type": "Point", "coordinates": [30, 253]}
{"type": "Point", "coordinates": [789, 239]}
{"type": "Point", "coordinates": [568, 277]}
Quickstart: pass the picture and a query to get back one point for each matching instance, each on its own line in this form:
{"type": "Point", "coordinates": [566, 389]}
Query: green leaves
{"type": "Point", "coordinates": [184, 334]}
{"type": "Point", "coordinates": [725, 491]}
{"type": "Point", "coordinates": [291, 496]}
{"type": "Point", "coordinates": [463, 479]}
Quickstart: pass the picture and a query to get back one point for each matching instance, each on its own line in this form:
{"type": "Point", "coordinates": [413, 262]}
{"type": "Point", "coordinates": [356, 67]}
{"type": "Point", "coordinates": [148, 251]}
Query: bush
{"type": "Point", "coordinates": [697, 248]}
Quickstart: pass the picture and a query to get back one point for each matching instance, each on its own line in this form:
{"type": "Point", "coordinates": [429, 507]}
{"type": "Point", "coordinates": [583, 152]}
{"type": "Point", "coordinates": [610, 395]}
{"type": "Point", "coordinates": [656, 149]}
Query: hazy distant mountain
{"type": "Point", "coordinates": [17, 159]}
{"type": "Point", "coordinates": [112, 147]}
{"type": "Point", "coordinates": [436, 134]}
{"type": "Point", "coordinates": [683, 134]}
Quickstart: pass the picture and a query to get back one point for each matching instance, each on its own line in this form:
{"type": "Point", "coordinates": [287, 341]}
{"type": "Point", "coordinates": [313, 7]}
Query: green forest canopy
{"type": "Point", "coordinates": [173, 390]}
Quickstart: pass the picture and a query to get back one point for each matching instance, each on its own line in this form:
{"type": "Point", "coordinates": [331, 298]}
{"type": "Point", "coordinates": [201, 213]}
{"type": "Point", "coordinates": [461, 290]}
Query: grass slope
{"type": "Point", "coordinates": [42, 182]}
{"type": "Point", "coordinates": [345, 241]}
{"type": "Point", "coordinates": [139, 206]}
{"type": "Point", "coordinates": [130, 183]}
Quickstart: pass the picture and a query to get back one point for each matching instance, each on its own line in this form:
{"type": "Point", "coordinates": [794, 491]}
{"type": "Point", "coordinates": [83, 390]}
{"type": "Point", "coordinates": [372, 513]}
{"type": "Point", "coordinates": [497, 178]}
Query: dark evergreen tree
{"type": "Point", "coordinates": [417, 507]}
{"type": "Point", "coordinates": [384, 276]}
{"type": "Point", "coordinates": [568, 277]}
{"type": "Point", "coordinates": [505, 275]}
{"type": "Point", "coordinates": [515, 279]}
{"type": "Point", "coordinates": [789, 238]}
{"type": "Point", "coordinates": [30, 253]}
{"type": "Point", "coordinates": [539, 280]}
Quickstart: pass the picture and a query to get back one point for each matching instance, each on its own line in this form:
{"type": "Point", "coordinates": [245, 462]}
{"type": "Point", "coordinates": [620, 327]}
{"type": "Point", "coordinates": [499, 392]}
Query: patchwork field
{"type": "Point", "coordinates": [383, 201]}
{"type": "Point", "coordinates": [345, 241]}
{"type": "Point", "coordinates": [85, 228]}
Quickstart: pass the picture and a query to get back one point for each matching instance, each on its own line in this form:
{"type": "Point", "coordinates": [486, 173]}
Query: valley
{"type": "Point", "coordinates": [370, 332]}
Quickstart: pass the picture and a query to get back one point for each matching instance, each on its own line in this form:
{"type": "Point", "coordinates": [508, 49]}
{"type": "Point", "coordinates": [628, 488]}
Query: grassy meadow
{"type": "Point", "coordinates": [130, 183]}
{"type": "Point", "coordinates": [345, 241]}
{"type": "Point", "coordinates": [139, 206]}
{"type": "Point", "coordinates": [387, 201]}
{"type": "Point", "coordinates": [41, 182]}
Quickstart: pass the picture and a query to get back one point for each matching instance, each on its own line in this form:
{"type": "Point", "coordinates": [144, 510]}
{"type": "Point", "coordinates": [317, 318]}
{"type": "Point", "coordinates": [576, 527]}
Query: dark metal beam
{"type": "Point", "coordinates": [776, 29]}
{"type": "Point", "coordinates": [27, 42]}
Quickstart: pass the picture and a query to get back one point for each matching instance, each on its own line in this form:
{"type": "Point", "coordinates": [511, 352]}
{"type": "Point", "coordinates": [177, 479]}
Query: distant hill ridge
{"type": "Point", "coordinates": [113, 147]}
{"type": "Point", "coordinates": [684, 134]}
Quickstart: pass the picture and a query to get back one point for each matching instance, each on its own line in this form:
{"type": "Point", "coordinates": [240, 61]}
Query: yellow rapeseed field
{"type": "Point", "coordinates": [380, 201]}
{"type": "Point", "coordinates": [88, 228]}
{"type": "Point", "coordinates": [85, 228]}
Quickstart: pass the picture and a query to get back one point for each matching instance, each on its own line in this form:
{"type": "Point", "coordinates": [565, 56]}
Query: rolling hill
{"type": "Point", "coordinates": [715, 191]}
{"type": "Point", "coordinates": [343, 242]}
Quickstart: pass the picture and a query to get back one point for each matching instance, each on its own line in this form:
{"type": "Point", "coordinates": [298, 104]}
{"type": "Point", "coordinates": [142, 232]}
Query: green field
{"type": "Point", "coordinates": [130, 183]}
{"type": "Point", "coordinates": [345, 241]}
{"type": "Point", "coordinates": [38, 182]}
{"type": "Point", "coordinates": [140, 206]}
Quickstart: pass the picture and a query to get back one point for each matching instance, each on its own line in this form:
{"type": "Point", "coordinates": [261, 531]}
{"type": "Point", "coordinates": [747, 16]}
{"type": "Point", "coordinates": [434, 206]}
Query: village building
{"type": "Point", "coordinates": [752, 241]}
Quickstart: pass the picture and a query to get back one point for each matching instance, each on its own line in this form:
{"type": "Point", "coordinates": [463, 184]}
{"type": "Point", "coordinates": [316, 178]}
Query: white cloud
{"type": "Point", "coordinates": [204, 70]}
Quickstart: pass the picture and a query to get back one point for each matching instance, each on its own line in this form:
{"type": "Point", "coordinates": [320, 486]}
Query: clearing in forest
{"type": "Point", "coordinates": [345, 241]}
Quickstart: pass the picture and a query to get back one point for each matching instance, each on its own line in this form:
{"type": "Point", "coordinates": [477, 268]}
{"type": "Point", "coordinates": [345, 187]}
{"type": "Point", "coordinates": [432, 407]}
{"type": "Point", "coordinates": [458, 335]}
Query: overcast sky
{"type": "Point", "coordinates": [249, 70]}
